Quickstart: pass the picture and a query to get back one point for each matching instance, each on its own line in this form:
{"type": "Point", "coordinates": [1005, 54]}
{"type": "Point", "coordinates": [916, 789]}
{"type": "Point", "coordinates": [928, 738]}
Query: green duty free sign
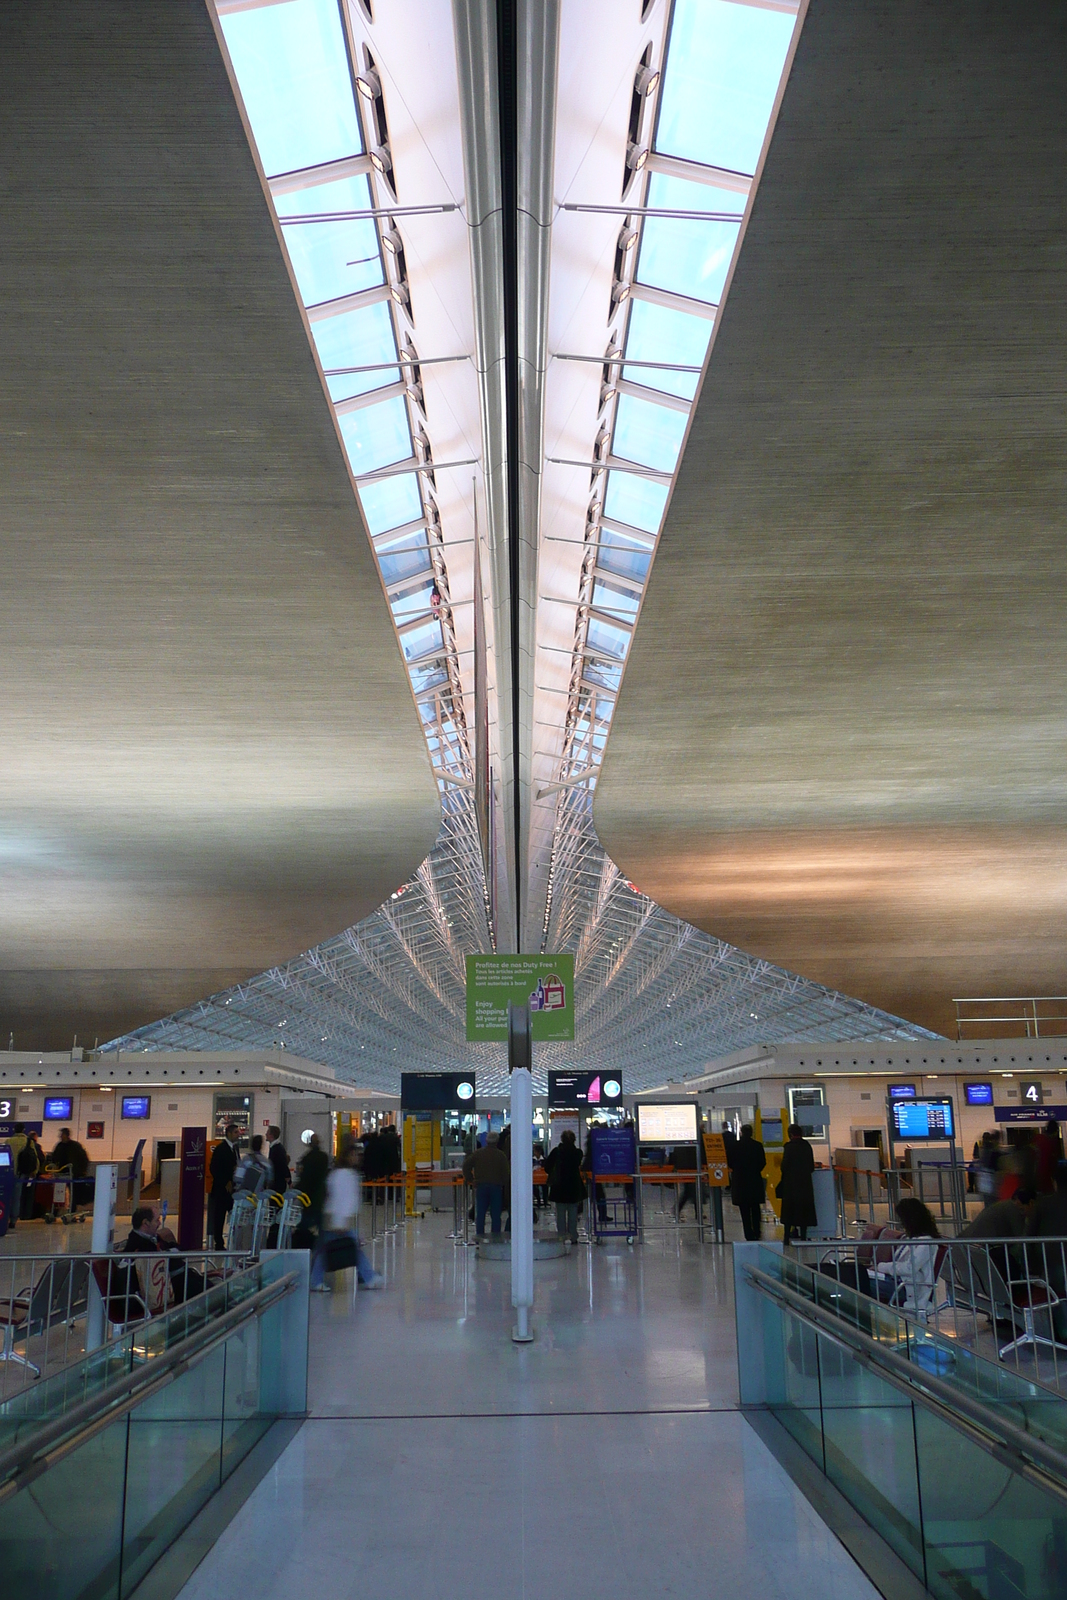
{"type": "Point", "coordinates": [546, 982]}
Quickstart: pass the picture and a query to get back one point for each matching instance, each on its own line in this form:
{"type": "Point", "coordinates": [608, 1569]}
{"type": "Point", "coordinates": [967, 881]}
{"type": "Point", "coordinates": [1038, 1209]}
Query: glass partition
{"type": "Point", "coordinates": [93, 1522]}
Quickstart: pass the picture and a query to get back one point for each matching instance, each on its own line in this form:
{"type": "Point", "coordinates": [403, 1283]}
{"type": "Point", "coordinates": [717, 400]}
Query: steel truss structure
{"type": "Point", "coordinates": [656, 999]}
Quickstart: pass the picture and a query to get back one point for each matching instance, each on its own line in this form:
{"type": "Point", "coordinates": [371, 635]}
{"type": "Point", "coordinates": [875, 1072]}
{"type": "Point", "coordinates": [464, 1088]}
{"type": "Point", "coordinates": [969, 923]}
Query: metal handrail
{"type": "Point", "coordinates": [1013, 1447]}
{"type": "Point", "coordinates": [24, 1462]}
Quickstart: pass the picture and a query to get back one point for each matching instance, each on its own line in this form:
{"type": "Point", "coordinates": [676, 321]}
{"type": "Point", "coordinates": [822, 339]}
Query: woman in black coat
{"type": "Point", "coordinates": [747, 1187]}
{"type": "Point", "coordinates": [566, 1185]}
{"type": "Point", "coordinates": [796, 1190]}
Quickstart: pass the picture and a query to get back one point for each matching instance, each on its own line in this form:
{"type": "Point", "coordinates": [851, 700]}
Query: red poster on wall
{"type": "Point", "coordinates": [192, 1173]}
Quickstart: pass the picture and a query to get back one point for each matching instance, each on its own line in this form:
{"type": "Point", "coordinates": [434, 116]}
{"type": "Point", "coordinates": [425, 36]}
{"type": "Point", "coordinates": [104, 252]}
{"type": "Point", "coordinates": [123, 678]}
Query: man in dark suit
{"type": "Point", "coordinates": [278, 1157]}
{"type": "Point", "coordinates": [223, 1167]}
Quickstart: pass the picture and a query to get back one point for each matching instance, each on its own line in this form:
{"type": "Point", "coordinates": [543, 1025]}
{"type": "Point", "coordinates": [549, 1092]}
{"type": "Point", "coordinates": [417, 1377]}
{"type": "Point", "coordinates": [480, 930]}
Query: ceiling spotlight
{"type": "Point", "coordinates": [627, 239]}
{"type": "Point", "coordinates": [391, 240]}
{"type": "Point", "coordinates": [399, 294]}
{"type": "Point", "coordinates": [382, 161]}
{"type": "Point", "coordinates": [646, 81]}
{"type": "Point", "coordinates": [636, 156]}
{"type": "Point", "coordinates": [619, 292]}
{"type": "Point", "coordinates": [369, 84]}
{"type": "Point", "coordinates": [608, 392]}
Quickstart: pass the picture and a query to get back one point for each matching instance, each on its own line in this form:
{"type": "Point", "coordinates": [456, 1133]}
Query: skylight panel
{"type": "Point", "coordinates": [332, 259]}
{"type": "Point", "coordinates": [408, 561]}
{"type": "Point", "coordinates": [639, 502]}
{"type": "Point", "coordinates": [359, 338]}
{"type": "Point", "coordinates": [617, 600]}
{"type": "Point", "coordinates": [292, 66]}
{"type": "Point", "coordinates": [614, 642]}
{"type": "Point", "coordinates": [390, 503]}
{"type": "Point", "coordinates": [656, 333]}
{"type": "Point", "coordinates": [683, 256]}
{"type": "Point", "coordinates": [602, 675]}
{"type": "Point", "coordinates": [668, 193]}
{"type": "Point", "coordinates": [407, 607]}
{"type": "Point", "coordinates": [724, 65]}
{"type": "Point", "coordinates": [620, 555]}
{"type": "Point", "coordinates": [648, 434]}
{"type": "Point", "coordinates": [420, 641]}
{"type": "Point", "coordinates": [377, 436]}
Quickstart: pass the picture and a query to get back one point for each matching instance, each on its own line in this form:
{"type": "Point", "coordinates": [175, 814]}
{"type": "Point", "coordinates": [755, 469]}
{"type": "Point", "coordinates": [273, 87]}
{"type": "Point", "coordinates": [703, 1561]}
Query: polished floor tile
{"type": "Point", "coordinates": [605, 1461]}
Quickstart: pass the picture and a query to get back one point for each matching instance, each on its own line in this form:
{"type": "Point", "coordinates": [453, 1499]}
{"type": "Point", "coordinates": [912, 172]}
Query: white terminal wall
{"type": "Point", "coordinates": [182, 1087]}
{"type": "Point", "coordinates": [856, 1079]}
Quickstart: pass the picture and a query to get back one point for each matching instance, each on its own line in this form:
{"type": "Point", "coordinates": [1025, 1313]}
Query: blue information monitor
{"type": "Point", "coordinates": [58, 1108]}
{"type": "Point", "coordinates": [136, 1107]}
{"type": "Point", "coordinates": [978, 1094]}
{"type": "Point", "coordinates": [902, 1091]}
{"type": "Point", "coordinates": [922, 1119]}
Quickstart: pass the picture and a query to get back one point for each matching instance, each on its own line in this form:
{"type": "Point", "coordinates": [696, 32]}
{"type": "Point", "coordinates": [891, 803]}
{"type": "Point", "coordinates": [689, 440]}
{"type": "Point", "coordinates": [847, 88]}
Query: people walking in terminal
{"type": "Point", "coordinates": [1049, 1147]}
{"type": "Point", "coordinates": [253, 1169]}
{"type": "Point", "coordinates": [311, 1175]}
{"type": "Point", "coordinates": [988, 1178]}
{"type": "Point", "coordinates": [30, 1166]}
{"type": "Point", "coordinates": [280, 1177]}
{"type": "Point", "coordinates": [18, 1143]}
{"type": "Point", "coordinates": [796, 1190]}
{"type": "Point", "coordinates": [341, 1216]}
{"type": "Point", "coordinates": [747, 1187]}
{"type": "Point", "coordinates": [685, 1158]}
{"type": "Point", "coordinates": [566, 1184]}
{"type": "Point", "coordinates": [223, 1167]}
{"type": "Point", "coordinates": [69, 1156]}
{"type": "Point", "coordinates": [490, 1171]}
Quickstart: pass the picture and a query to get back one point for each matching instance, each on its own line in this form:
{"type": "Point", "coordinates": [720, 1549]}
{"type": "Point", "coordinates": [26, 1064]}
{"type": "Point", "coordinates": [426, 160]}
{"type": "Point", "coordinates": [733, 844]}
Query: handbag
{"type": "Point", "coordinates": [340, 1253]}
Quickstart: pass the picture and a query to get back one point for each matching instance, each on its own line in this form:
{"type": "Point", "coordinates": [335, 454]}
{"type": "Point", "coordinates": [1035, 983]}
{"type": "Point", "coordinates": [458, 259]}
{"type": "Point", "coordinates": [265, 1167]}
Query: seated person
{"type": "Point", "coordinates": [148, 1236]}
{"type": "Point", "coordinates": [910, 1279]}
{"type": "Point", "coordinates": [1004, 1219]}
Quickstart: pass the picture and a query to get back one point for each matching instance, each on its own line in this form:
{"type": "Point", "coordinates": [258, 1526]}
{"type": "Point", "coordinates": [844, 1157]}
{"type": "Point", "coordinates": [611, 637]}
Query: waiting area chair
{"type": "Point", "coordinates": [60, 1295]}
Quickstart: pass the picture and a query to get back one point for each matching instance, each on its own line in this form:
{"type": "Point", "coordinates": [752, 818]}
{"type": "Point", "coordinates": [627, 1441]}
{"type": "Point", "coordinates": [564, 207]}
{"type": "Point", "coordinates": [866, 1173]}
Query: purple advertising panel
{"type": "Point", "coordinates": [191, 1191]}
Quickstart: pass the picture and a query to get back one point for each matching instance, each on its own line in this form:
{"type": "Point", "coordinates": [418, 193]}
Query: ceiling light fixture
{"type": "Point", "coordinates": [619, 292]}
{"type": "Point", "coordinates": [382, 161]}
{"type": "Point", "coordinates": [636, 156]}
{"type": "Point", "coordinates": [369, 85]}
{"type": "Point", "coordinates": [391, 240]}
{"type": "Point", "coordinates": [646, 82]}
{"type": "Point", "coordinates": [399, 294]}
{"type": "Point", "coordinates": [627, 239]}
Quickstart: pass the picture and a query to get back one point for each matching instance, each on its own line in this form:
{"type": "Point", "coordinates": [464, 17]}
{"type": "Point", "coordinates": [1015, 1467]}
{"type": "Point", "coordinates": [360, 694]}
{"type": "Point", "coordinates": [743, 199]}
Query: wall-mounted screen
{"type": "Point", "coordinates": [902, 1091]}
{"type": "Point", "coordinates": [59, 1108]}
{"type": "Point", "coordinates": [667, 1124]}
{"type": "Point", "coordinates": [584, 1089]}
{"type": "Point", "coordinates": [136, 1107]}
{"type": "Point", "coordinates": [437, 1091]}
{"type": "Point", "coordinates": [922, 1119]}
{"type": "Point", "coordinates": [978, 1094]}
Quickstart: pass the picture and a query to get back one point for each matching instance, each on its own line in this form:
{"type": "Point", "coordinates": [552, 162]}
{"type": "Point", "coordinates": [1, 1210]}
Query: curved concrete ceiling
{"type": "Point", "coordinates": [211, 756]}
{"type": "Point", "coordinates": [840, 741]}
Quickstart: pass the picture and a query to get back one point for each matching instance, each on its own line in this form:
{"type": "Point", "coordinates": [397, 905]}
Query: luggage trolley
{"type": "Point", "coordinates": [613, 1159]}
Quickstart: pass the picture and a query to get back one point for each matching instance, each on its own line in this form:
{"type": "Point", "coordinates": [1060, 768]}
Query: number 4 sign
{"type": "Point", "coordinates": [1031, 1094]}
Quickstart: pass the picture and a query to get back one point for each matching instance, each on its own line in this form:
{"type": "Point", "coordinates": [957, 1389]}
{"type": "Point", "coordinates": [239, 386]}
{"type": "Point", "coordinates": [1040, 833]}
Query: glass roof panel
{"type": "Point", "coordinates": [420, 641]}
{"type": "Point", "coordinates": [686, 257]}
{"type": "Point", "coordinates": [377, 436]}
{"type": "Point", "coordinates": [357, 339]}
{"type": "Point", "coordinates": [724, 64]}
{"type": "Point", "coordinates": [599, 672]}
{"type": "Point", "coordinates": [292, 66]}
{"type": "Point", "coordinates": [391, 503]}
{"type": "Point", "coordinates": [658, 334]}
{"type": "Point", "coordinates": [332, 258]}
{"type": "Point", "coordinates": [612, 641]}
{"type": "Point", "coordinates": [678, 194]}
{"type": "Point", "coordinates": [407, 562]}
{"type": "Point", "coordinates": [619, 601]}
{"type": "Point", "coordinates": [638, 502]}
{"type": "Point", "coordinates": [407, 607]}
{"type": "Point", "coordinates": [618, 554]}
{"type": "Point", "coordinates": [647, 433]}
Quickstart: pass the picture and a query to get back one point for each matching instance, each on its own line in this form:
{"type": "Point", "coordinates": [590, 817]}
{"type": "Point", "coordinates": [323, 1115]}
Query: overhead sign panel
{"type": "Point", "coordinates": [437, 1091]}
{"type": "Point", "coordinates": [545, 982]}
{"type": "Point", "coordinates": [584, 1089]}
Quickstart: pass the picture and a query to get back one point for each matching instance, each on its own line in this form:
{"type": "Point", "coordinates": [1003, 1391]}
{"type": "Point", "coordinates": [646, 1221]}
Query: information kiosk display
{"type": "Point", "coordinates": [667, 1124]}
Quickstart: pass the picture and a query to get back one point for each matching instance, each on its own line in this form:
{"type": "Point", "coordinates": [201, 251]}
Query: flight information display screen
{"type": "Point", "coordinates": [136, 1107]}
{"type": "Point", "coordinates": [667, 1124]}
{"type": "Point", "coordinates": [902, 1091]}
{"type": "Point", "coordinates": [922, 1119]}
{"type": "Point", "coordinates": [584, 1089]}
{"type": "Point", "coordinates": [978, 1094]}
{"type": "Point", "coordinates": [58, 1108]}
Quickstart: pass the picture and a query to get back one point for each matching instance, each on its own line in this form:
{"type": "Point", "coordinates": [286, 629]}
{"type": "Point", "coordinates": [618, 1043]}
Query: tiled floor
{"type": "Point", "coordinates": [607, 1460]}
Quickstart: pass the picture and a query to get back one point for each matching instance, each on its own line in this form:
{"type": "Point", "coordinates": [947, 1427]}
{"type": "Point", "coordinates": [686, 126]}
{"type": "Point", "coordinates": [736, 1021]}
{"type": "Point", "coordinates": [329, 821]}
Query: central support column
{"type": "Point", "coordinates": [520, 1061]}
